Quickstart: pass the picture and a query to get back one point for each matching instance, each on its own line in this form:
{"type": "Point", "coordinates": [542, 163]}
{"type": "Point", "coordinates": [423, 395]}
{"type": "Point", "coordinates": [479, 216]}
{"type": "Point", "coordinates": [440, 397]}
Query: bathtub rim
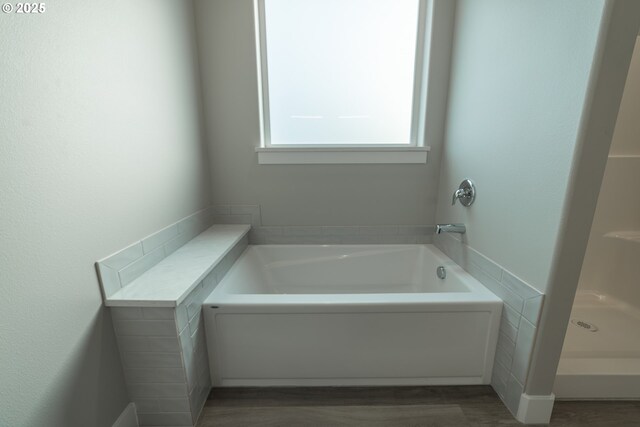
{"type": "Point", "coordinates": [477, 293]}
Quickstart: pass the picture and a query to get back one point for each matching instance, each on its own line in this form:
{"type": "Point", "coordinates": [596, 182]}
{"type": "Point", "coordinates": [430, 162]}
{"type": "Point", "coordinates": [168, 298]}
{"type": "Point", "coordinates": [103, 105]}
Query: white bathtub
{"type": "Point", "coordinates": [338, 315]}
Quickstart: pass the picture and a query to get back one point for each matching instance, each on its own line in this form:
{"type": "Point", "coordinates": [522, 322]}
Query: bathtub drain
{"type": "Point", "coordinates": [585, 325]}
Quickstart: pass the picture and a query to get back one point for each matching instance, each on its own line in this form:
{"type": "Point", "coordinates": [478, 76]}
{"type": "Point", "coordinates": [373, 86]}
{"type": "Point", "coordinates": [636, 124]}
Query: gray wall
{"type": "Point", "coordinates": [518, 86]}
{"type": "Point", "coordinates": [293, 194]}
{"type": "Point", "coordinates": [100, 145]}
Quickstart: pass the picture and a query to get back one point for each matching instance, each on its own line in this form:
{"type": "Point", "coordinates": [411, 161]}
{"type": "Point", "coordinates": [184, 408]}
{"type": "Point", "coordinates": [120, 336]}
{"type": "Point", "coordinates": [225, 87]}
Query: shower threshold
{"type": "Point", "coordinates": [601, 354]}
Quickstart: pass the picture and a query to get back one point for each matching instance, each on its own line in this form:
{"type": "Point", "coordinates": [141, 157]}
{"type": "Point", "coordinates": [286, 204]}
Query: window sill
{"type": "Point", "coordinates": [352, 155]}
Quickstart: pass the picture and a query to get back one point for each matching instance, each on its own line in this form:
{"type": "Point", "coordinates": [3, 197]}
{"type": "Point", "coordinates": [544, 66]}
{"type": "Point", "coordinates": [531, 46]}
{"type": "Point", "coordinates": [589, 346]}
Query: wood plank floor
{"type": "Point", "coordinates": [392, 406]}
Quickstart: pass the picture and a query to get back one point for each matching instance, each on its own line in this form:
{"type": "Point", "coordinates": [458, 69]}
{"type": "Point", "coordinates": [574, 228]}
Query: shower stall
{"type": "Point", "coordinates": [601, 354]}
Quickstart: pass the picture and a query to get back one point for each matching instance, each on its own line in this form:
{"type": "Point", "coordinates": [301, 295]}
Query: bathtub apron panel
{"type": "Point", "coordinates": [349, 315]}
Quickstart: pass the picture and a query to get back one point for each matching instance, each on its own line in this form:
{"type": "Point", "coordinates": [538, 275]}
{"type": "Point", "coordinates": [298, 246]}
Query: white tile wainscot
{"type": "Point", "coordinates": [319, 234]}
{"type": "Point", "coordinates": [118, 270]}
{"type": "Point", "coordinates": [157, 319]}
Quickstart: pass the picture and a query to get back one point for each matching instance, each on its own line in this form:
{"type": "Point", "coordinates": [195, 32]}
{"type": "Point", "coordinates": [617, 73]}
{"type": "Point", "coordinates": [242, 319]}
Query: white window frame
{"type": "Point", "coordinates": [414, 152]}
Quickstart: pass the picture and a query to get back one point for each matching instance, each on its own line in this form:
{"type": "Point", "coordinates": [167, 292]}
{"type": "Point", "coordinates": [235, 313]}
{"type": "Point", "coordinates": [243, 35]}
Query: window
{"type": "Point", "coordinates": [341, 80]}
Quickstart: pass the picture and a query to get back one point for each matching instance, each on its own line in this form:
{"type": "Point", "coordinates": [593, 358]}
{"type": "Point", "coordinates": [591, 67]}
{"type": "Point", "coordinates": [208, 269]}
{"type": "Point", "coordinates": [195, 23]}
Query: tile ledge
{"type": "Point", "coordinates": [143, 291]}
{"type": "Point", "coordinates": [141, 302]}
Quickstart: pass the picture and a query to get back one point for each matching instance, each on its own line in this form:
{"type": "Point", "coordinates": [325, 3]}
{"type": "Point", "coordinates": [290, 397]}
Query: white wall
{"type": "Point", "coordinates": [293, 194]}
{"type": "Point", "coordinates": [100, 145]}
{"type": "Point", "coordinates": [518, 85]}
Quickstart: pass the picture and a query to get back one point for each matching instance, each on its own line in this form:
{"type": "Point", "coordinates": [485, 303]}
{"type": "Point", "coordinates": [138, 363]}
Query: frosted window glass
{"type": "Point", "coordinates": [340, 71]}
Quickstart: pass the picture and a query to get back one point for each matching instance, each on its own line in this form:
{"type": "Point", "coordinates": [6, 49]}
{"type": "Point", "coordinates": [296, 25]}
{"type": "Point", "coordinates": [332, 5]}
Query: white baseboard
{"type": "Point", "coordinates": [535, 409]}
{"type": "Point", "coordinates": [128, 417]}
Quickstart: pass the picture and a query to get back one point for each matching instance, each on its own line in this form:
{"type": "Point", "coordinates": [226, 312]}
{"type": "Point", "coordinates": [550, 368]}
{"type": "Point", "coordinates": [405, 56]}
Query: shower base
{"type": "Point", "coordinates": [601, 354]}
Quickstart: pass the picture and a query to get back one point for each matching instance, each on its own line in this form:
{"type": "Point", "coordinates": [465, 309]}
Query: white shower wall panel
{"type": "Point", "coordinates": [611, 261]}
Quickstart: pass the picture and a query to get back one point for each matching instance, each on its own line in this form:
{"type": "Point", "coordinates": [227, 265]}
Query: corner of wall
{"type": "Point", "coordinates": [616, 39]}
